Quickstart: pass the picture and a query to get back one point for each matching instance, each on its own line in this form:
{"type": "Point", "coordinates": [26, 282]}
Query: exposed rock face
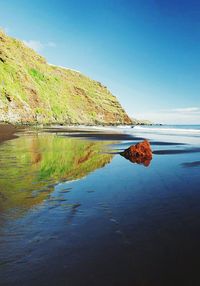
{"type": "Point", "coordinates": [140, 153]}
{"type": "Point", "coordinates": [33, 91]}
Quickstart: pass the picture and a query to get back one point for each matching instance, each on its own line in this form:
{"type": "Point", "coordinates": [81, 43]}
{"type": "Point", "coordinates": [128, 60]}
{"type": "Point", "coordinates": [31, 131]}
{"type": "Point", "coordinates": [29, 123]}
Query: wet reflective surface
{"type": "Point", "coordinates": [32, 165]}
{"type": "Point", "coordinates": [75, 213]}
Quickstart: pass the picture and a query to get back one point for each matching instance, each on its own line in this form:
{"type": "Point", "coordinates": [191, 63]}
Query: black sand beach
{"type": "Point", "coordinates": [74, 212]}
{"type": "Point", "coordinates": [7, 132]}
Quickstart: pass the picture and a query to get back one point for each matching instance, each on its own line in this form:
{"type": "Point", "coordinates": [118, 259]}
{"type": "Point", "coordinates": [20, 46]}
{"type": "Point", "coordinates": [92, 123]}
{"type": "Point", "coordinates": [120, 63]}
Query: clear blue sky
{"type": "Point", "coordinates": [147, 52]}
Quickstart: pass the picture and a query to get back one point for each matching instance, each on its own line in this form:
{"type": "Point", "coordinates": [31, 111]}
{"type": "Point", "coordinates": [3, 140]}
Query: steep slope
{"type": "Point", "coordinates": [33, 91]}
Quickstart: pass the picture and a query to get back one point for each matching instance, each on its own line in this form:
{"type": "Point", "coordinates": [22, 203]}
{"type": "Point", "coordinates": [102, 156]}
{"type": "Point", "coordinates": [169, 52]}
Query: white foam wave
{"type": "Point", "coordinates": [168, 130]}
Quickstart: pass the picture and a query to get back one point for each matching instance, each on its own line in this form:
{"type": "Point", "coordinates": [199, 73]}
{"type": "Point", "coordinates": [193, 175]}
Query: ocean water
{"type": "Point", "coordinates": [185, 130]}
{"type": "Point", "coordinates": [75, 212]}
{"type": "Point", "coordinates": [175, 133]}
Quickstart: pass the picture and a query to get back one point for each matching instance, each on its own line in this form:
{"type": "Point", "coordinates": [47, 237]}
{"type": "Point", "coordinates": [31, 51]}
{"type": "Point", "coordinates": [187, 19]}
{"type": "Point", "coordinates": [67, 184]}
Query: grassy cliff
{"type": "Point", "coordinates": [32, 91]}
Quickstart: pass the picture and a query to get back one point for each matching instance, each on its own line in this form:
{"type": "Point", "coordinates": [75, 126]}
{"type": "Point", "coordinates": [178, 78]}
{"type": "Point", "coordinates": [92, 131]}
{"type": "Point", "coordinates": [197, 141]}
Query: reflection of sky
{"type": "Point", "coordinates": [121, 209]}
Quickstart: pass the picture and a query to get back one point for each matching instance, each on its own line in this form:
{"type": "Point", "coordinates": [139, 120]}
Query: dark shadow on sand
{"type": "Point", "coordinates": [104, 136]}
{"type": "Point", "coordinates": [159, 143]}
{"type": "Point", "coordinates": [7, 132]}
{"type": "Point", "coordinates": [191, 164]}
{"type": "Point", "coordinates": [92, 134]}
{"type": "Point", "coordinates": [156, 143]}
{"type": "Point", "coordinates": [69, 130]}
{"type": "Point", "coordinates": [174, 152]}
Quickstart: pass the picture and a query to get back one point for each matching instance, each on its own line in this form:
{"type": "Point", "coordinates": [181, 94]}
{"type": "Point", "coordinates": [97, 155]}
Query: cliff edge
{"type": "Point", "coordinates": [32, 91]}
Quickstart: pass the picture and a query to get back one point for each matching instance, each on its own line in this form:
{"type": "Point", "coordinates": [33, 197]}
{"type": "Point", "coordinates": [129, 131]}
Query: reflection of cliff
{"type": "Point", "coordinates": [36, 155]}
{"type": "Point", "coordinates": [32, 164]}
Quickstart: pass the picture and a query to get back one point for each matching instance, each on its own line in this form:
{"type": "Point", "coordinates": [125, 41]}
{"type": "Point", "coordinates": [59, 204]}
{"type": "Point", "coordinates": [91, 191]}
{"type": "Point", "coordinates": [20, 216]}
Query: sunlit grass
{"type": "Point", "coordinates": [53, 94]}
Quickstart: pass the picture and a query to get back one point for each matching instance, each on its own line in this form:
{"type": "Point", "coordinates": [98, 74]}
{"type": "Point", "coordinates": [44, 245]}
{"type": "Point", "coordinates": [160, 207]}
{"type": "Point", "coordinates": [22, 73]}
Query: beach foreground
{"type": "Point", "coordinates": [74, 212]}
{"type": "Point", "coordinates": [8, 131]}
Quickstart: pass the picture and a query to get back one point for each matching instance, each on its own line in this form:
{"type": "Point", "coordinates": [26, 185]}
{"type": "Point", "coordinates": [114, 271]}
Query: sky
{"type": "Point", "coordinates": [147, 52]}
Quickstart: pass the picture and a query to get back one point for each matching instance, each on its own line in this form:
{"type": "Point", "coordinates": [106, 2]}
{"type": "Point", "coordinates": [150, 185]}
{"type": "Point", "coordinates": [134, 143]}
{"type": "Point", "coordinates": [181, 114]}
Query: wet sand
{"type": "Point", "coordinates": [74, 214]}
{"type": "Point", "coordinates": [7, 132]}
{"type": "Point", "coordinates": [91, 133]}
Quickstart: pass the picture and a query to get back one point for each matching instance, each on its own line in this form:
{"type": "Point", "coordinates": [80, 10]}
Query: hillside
{"type": "Point", "coordinates": [32, 91]}
{"type": "Point", "coordinates": [141, 121]}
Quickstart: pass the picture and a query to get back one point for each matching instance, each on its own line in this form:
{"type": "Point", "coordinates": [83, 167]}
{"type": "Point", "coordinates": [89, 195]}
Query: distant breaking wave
{"type": "Point", "coordinates": [174, 129]}
{"type": "Point", "coordinates": [187, 134]}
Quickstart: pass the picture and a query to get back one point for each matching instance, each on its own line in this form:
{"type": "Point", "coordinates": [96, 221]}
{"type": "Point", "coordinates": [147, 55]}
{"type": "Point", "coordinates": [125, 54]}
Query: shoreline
{"type": "Point", "coordinates": [99, 132]}
{"type": "Point", "coordinates": [8, 132]}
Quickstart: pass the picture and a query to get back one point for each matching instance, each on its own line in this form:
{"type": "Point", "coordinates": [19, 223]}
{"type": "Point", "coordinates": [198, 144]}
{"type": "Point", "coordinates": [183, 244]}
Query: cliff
{"type": "Point", "coordinates": [32, 91]}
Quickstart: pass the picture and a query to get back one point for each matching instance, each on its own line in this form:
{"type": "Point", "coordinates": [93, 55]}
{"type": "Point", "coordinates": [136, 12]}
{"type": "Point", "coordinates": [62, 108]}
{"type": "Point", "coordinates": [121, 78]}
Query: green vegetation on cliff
{"type": "Point", "coordinates": [33, 91]}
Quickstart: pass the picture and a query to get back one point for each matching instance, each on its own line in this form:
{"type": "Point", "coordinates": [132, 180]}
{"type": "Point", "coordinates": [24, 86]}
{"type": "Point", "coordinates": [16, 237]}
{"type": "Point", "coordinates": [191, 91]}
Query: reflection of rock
{"type": "Point", "coordinates": [140, 153]}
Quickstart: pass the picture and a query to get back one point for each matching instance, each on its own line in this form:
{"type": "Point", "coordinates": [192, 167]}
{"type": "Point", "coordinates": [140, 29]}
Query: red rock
{"type": "Point", "coordinates": [140, 153]}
